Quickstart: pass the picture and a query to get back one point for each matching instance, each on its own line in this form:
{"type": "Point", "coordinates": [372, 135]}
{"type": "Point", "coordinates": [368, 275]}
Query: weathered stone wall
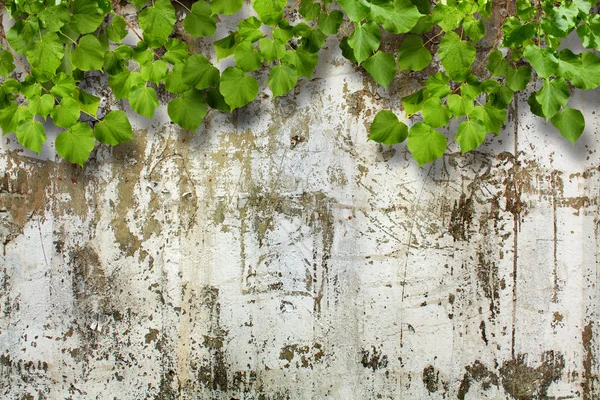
{"type": "Point", "coordinates": [279, 255]}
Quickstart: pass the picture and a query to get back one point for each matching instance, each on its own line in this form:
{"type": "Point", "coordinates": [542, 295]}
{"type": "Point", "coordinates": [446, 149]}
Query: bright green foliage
{"type": "Point", "coordinates": [387, 129]}
{"type": "Point", "coordinates": [61, 45]}
{"type": "Point", "coordinates": [237, 88]}
{"type": "Point", "coordinates": [114, 128]}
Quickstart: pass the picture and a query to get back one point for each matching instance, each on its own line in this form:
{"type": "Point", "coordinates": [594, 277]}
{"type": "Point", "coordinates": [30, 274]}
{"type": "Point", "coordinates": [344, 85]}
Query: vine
{"type": "Point", "coordinates": [53, 46]}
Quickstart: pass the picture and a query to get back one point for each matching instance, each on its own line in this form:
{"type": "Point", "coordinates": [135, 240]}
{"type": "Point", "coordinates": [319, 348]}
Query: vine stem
{"type": "Point", "coordinates": [496, 41]}
{"type": "Point", "coordinates": [17, 59]}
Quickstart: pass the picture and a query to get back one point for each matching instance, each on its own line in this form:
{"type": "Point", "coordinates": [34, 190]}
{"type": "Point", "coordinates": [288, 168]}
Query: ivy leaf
{"type": "Point", "coordinates": [76, 143]}
{"type": "Point", "coordinates": [382, 67]}
{"type": "Point", "coordinates": [188, 110]}
{"type": "Point", "coordinates": [143, 101]}
{"type": "Point", "coordinates": [434, 113]}
{"type": "Point", "coordinates": [237, 88]}
{"type": "Point", "coordinates": [515, 33]}
{"type": "Point", "coordinates": [41, 105]}
{"type": "Point", "coordinates": [89, 54]}
{"type": "Point", "coordinates": [45, 55]}
{"type": "Point", "coordinates": [67, 113]}
{"type": "Point", "coordinates": [282, 79]}
{"type": "Point", "coordinates": [177, 52]}
{"type": "Point", "coordinates": [117, 29]}
{"type": "Point", "coordinates": [543, 60]}
{"type": "Point", "coordinates": [396, 16]}
{"type": "Point", "coordinates": [413, 103]}
{"type": "Point", "coordinates": [304, 61]}
{"type": "Point", "coordinates": [247, 57]}
{"type": "Point", "coordinates": [412, 55]}
{"type": "Point", "coordinates": [271, 49]}
{"type": "Point", "coordinates": [365, 40]}
{"type": "Point", "coordinates": [517, 79]}
{"type": "Point", "coordinates": [269, 11]}
{"type": "Point", "coordinates": [460, 105]}
{"type": "Point", "coordinates": [553, 96]}
{"type": "Point", "coordinates": [154, 71]}
{"type": "Point", "coordinates": [226, 7]}
{"type": "Point", "coordinates": [589, 32]}
{"type": "Point", "coordinates": [470, 135]}
{"type": "Point", "coordinates": [356, 10]}
{"type": "Point", "coordinates": [157, 22]}
{"type": "Point", "coordinates": [200, 21]}
{"type": "Point", "coordinates": [55, 17]}
{"type": "Point", "coordinates": [6, 63]}
{"type": "Point", "coordinates": [114, 128]}
{"type": "Point", "coordinates": [425, 143]}
{"type": "Point", "coordinates": [200, 73]}
{"type": "Point", "coordinates": [497, 64]}
{"type": "Point", "coordinates": [457, 56]}
{"type": "Point", "coordinates": [86, 16]}
{"type": "Point", "coordinates": [387, 129]}
{"type": "Point", "coordinates": [491, 117]}
{"type": "Point", "coordinates": [329, 23]}
{"type": "Point", "coordinates": [570, 123]}
{"type": "Point", "coordinates": [31, 135]}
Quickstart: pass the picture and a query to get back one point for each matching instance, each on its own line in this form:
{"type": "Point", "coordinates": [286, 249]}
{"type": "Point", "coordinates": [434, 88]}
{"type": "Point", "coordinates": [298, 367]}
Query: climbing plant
{"type": "Point", "coordinates": [54, 47]}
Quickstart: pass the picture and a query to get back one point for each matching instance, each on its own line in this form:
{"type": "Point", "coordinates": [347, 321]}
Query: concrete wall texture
{"type": "Point", "coordinates": [277, 254]}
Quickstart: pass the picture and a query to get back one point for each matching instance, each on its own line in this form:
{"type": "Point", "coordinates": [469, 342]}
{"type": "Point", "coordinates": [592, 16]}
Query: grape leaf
{"type": "Point", "coordinates": [309, 9]}
{"type": "Point", "coordinates": [583, 70]}
{"type": "Point", "coordinates": [249, 29]}
{"type": "Point", "coordinates": [589, 32]}
{"type": "Point", "coordinates": [517, 79]}
{"type": "Point", "coordinates": [497, 64]}
{"type": "Point", "coordinates": [491, 117]}
{"type": "Point", "coordinates": [269, 11]}
{"type": "Point", "coordinates": [45, 55]}
{"type": "Point", "coordinates": [437, 85]}
{"type": "Point", "coordinates": [553, 96]}
{"type": "Point", "coordinates": [174, 80]}
{"type": "Point", "coordinates": [282, 79]}
{"type": "Point", "coordinates": [177, 52]}
{"type": "Point", "coordinates": [215, 100]}
{"type": "Point", "coordinates": [12, 116]}
{"type": "Point", "coordinates": [435, 113]}
{"type": "Point", "coordinates": [425, 143]}
{"type": "Point", "coordinates": [122, 83]}
{"type": "Point", "coordinates": [470, 135]}
{"type": "Point", "coordinates": [225, 47]}
{"type": "Point", "coordinates": [31, 135]}
{"type": "Point", "coordinates": [237, 88]}
{"type": "Point", "coordinates": [474, 28]}
{"type": "Point", "coordinates": [570, 123]}
{"type": "Point", "coordinates": [226, 7]}
{"type": "Point", "coordinates": [76, 143]}
{"type": "Point", "coordinates": [117, 29]}
{"type": "Point", "coordinates": [55, 17]}
{"type": "Point", "coordinates": [448, 17]}
{"type": "Point", "coordinates": [86, 16]}
{"type": "Point", "coordinates": [460, 105]}
{"type": "Point", "coordinates": [247, 57]}
{"type": "Point", "coordinates": [154, 71]}
{"type": "Point", "coordinates": [312, 39]}
{"type": "Point", "coordinates": [357, 10]}
{"type": "Point", "coordinates": [396, 16]}
{"type": "Point", "coordinates": [457, 56]}
{"type": "Point", "coordinates": [67, 113]}
{"type": "Point", "coordinates": [543, 60]}
{"type": "Point", "coordinates": [515, 33]}
{"type": "Point", "coordinates": [188, 110]}
{"type": "Point", "coordinates": [329, 23]}
{"type": "Point", "coordinates": [387, 129]}
{"type": "Point", "coordinates": [88, 103]}
{"type": "Point", "coordinates": [200, 73]}
{"type": "Point", "coordinates": [41, 105]}
{"type": "Point", "coordinates": [412, 55]}
{"type": "Point", "coordinates": [200, 21]}
{"type": "Point", "coordinates": [157, 22]}
{"type": "Point", "coordinates": [115, 128]}
{"type": "Point", "coordinates": [304, 61]}
{"type": "Point", "coordinates": [365, 40]}
{"type": "Point", "coordinates": [89, 54]}
{"type": "Point", "coordinates": [271, 49]}
{"type": "Point", "coordinates": [64, 85]}
{"type": "Point", "coordinates": [382, 67]}
{"type": "Point", "coordinates": [143, 101]}
{"type": "Point", "coordinates": [6, 63]}
{"type": "Point", "coordinates": [413, 103]}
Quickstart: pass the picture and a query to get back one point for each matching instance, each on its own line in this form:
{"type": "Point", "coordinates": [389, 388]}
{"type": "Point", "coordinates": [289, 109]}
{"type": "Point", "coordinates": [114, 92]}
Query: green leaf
{"type": "Point", "coordinates": [143, 101]}
{"type": "Point", "coordinates": [154, 71]}
{"type": "Point", "coordinates": [515, 33]}
{"type": "Point", "coordinates": [64, 85]}
{"type": "Point", "coordinates": [89, 54]}
{"type": "Point", "coordinates": [304, 61]}
{"type": "Point", "coordinates": [121, 84]}
{"type": "Point", "coordinates": [413, 103]}
{"type": "Point", "coordinates": [387, 129]}
{"type": "Point", "coordinates": [497, 64]}
{"type": "Point", "coordinates": [31, 135]}
{"type": "Point", "coordinates": [226, 7]}
{"type": "Point", "coordinates": [117, 29]}
{"type": "Point", "coordinates": [174, 80]}
{"type": "Point", "coordinates": [237, 88]}
{"type": "Point", "coordinates": [6, 63]}
{"type": "Point", "coordinates": [460, 105]}
{"type": "Point", "coordinates": [198, 72]}
{"type": "Point", "coordinates": [269, 11]}
{"type": "Point", "coordinates": [247, 57]}
{"type": "Point", "coordinates": [41, 105]}
{"type": "Point", "coordinates": [55, 17]}
{"type": "Point", "coordinates": [67, 113]}
{"type": "Point", "coordinates": [11, 117]}
{"type": "Point", "coordinates": [113, 64]}
{"type": "Point", "coordinates": [448, 17]}
{"type": "Point", "coordinates": [435, 113]}
{"type": "Point", "coordinates": [470, 135]}
{"type": "Point", "coordinates": [589, 78]}
{"type": "Point", "coordinates": [365, 40]}
{"type": "Point", "coordinates": [457, 56]}
{"type": "Point", "coordinates": [282, 79]}
{"type": "Point", "coordinates": [272, 49]}
{"type": "Point", "coordinates": [309, 9]}
{"type": "Point", "coordinates": [525, 10]}
{"type": "Point", "coordinates": [396, 16]}
{"type": "Point", "coordinates": [502, 97]}
{"type": "Point", "coordinates": [312, 39]}
{"type": "Point", "coordinates": [177, 52]}
{"type": "Point", "coordinates": [88, 103]}
{"type": "Point", "coordinates": [437, 85]}
{"type": "Point", "coordinates": [570, 123]}
{"type": "Point", "coordinates": [382, 67]}
{"type": "Point", "coordinates": [412, 55]}
{"type": "Point", "coordinates": [188, 110]}
{"type": "Point", "coordinates": [249, 29]}
{"type": "Point", "coordinates": [86, 16]}
{"type": "Point", "coordinates": [21, 35]}
{"type": "Point", "coordinates": [517, 79]}
{"type": "Point", "coordinates": [200, 21]}
{"type": "Point", "coordinates": [330, 23]}
{"type": "Point", "coordinates": [157, 22]}
{"type": "Point", "coordinates": [283, 32]}
{"type": "Point", "coordinates": [543, 60]}
{"type": "Point", "coordinates": [357, 10]}
{"type": "Point", "coordinates": [534, 106]}
{"type": "Point", "coordinates": [226, 46]}
{"type": "Point", "coordinates": [474, 28]}
{"type": "Point", "coordinates": [76, 143]}
{"type": "Point", "coordinates": [553, 96]}
{"type": "Point", "coordinates": [215, 100]}
{"type": "Point", "coordinates": [114, 128]}
{"type": "Point", "coordinates": [425, 143]}
{"type": "Point", "coordinates": [589, 32]}
{"type": "Point", "coordinates": [45, 55]}
{"type": "Point", "coordinates": [491, 117]}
